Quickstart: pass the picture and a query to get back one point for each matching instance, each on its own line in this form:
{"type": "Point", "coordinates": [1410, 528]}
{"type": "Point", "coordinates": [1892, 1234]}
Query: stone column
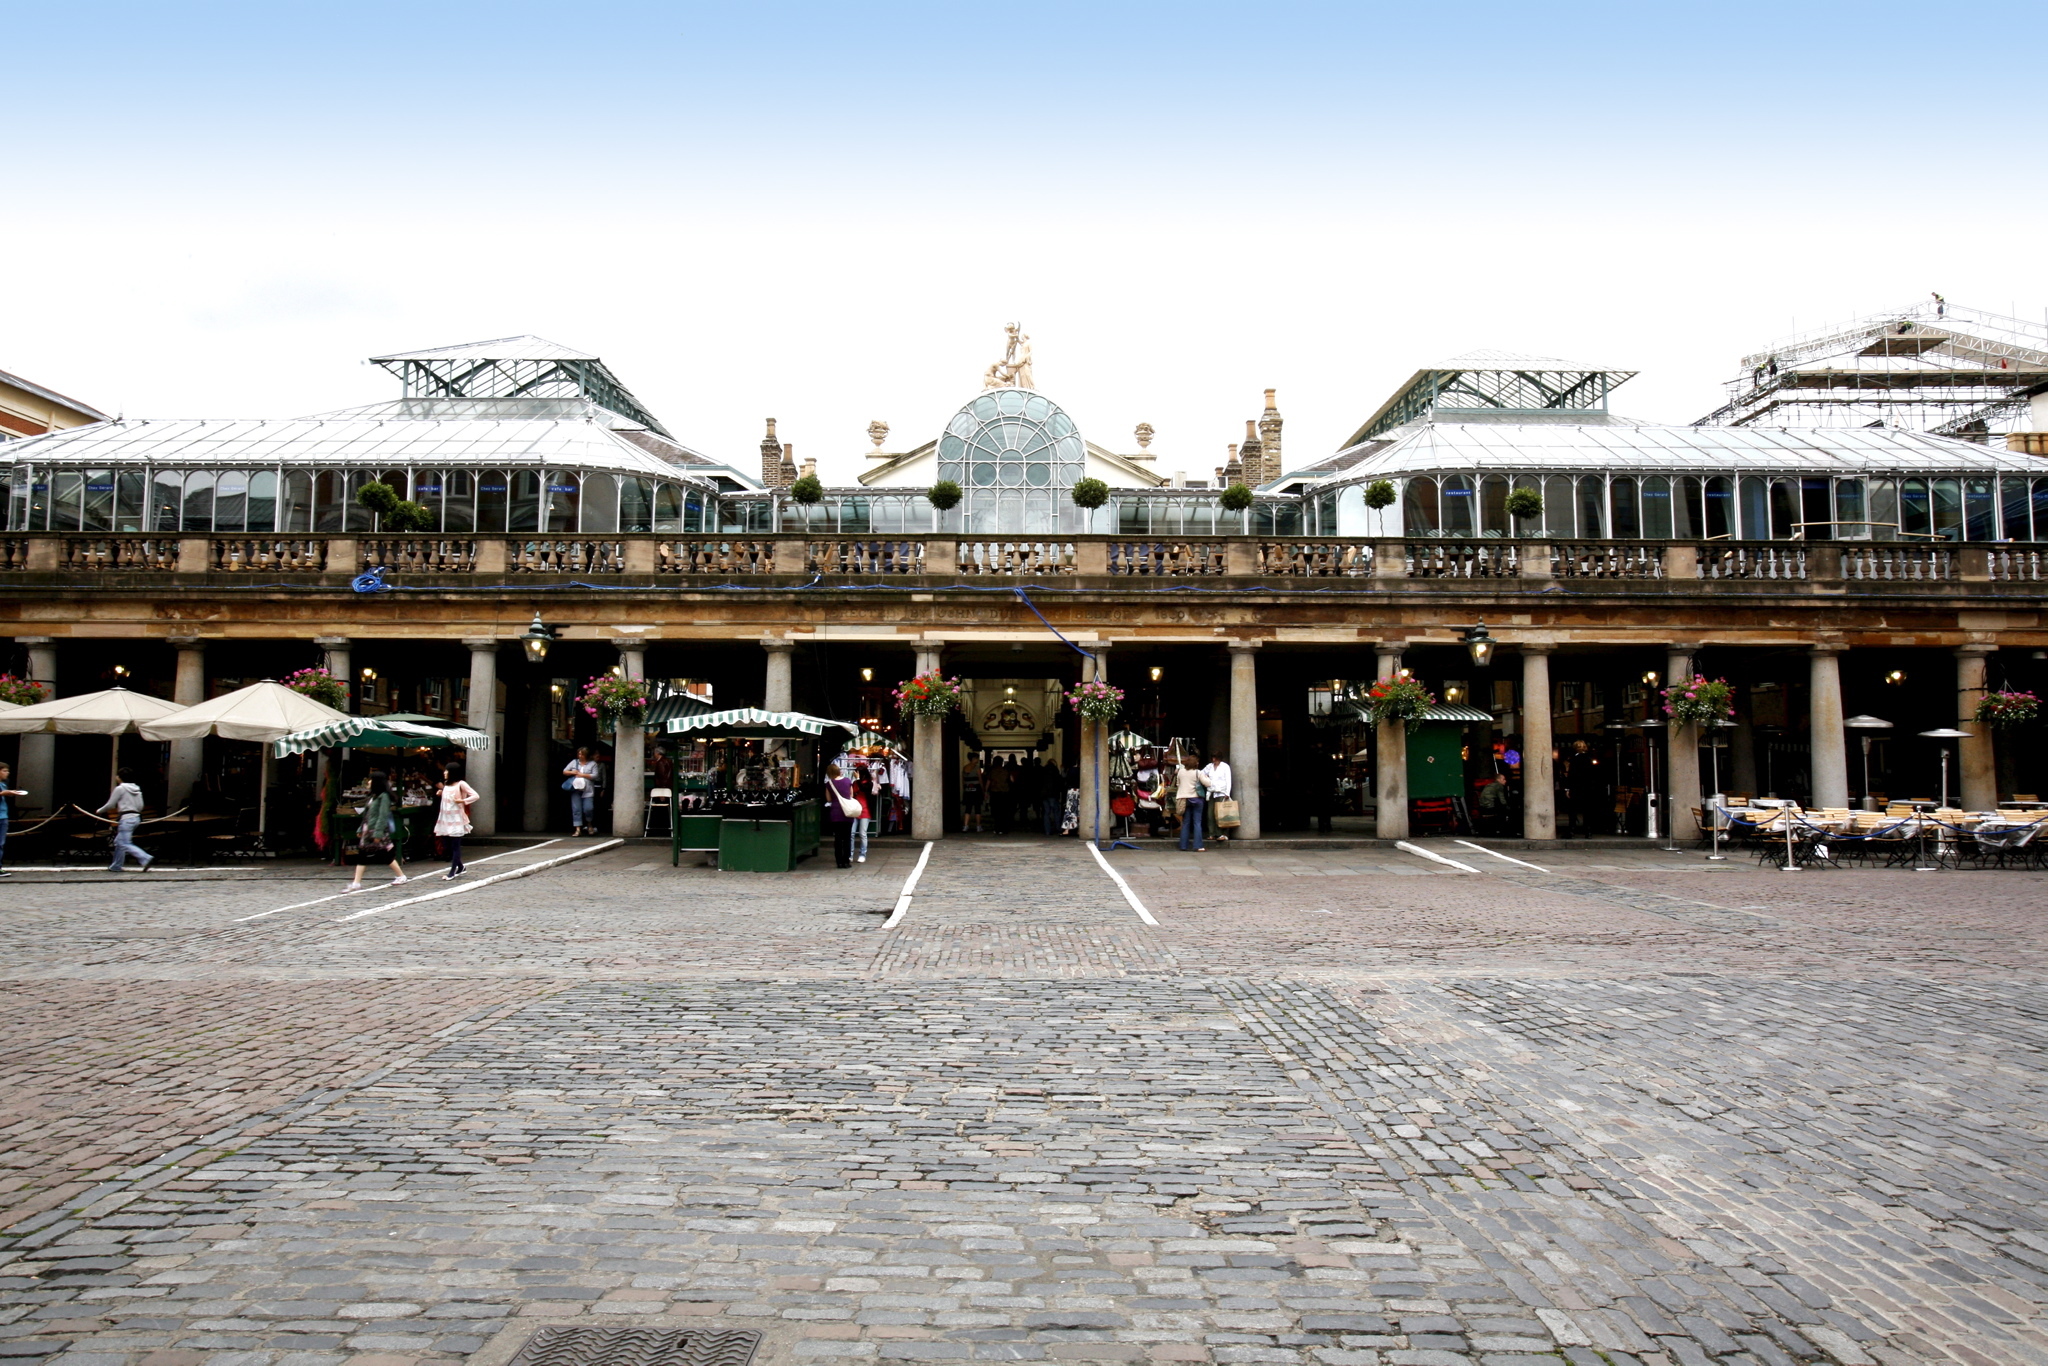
{"type": "Point", "coordinates": [1093, 749]}
{"type": "Point", "coordinates": [1390, 758]}
{"type": "Point", "coordinates": [480, 766]}
{"type": "Point", "coordinates": [629, 755]}
{"type": "Point", "coordinates": [35, 766]}
{"type": "Point", "coordinates": [928, 763]}
{"type": "Point", "coordinates": [1827, 742]}
{"type": "Point", "coordinates": [338, 665]}
{"type": "Point", "coordinates": [1979, 757]}
{"type": "Point", "coordinates": [540, 774]}
{"type": "Point", "coordinates": [1681, 755]}
{"type": "Point", "coordinates": [1244, 736]}
{"type": "Point", "coordinates": [777, 690]}
{"type": "Point", "coordinates": [1539, 782]}
{"type": "Point", "coordinates": [188, 757]}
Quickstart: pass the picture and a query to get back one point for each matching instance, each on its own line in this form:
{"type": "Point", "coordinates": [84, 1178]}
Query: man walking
{"type": "Point", "coordinates": [1215, 780]}
{"type": "Point", "coordinates": [7, 790]}
{"type": "Point", "coordinates": [125, 801]}
{"type": "Point", "coordinates": [1188, 790]}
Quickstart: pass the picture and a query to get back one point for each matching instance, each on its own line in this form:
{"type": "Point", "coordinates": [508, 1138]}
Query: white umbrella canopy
{"type": "Point", "coordinates": [262, 711]}
{"type": "Point", "coordinates": [116, 711]}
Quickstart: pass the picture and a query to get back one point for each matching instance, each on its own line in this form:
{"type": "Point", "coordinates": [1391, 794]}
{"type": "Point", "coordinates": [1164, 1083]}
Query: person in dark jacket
{"type": "Point", "coordinates": [837, 786]}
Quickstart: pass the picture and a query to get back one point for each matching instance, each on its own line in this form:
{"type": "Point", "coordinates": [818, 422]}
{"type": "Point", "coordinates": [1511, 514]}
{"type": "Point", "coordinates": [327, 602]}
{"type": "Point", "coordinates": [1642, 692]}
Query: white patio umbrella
{"type": "Point", "coordinates": [262, 712]}
{"type": "Point", "coordinates": [113, 713]}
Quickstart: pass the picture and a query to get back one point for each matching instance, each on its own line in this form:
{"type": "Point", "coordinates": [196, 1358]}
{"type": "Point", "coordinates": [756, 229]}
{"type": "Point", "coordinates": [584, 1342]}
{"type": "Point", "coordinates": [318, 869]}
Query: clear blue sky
{"type": "Point", "coordinates": [826, 213]}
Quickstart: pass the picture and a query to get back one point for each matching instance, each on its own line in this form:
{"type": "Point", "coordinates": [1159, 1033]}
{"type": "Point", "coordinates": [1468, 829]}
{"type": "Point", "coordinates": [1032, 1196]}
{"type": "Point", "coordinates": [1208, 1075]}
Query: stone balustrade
{"type": "Point", "coordinates": [1275, 562]}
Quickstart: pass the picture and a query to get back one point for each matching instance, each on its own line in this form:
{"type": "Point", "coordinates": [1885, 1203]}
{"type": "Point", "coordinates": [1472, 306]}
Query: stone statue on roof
{"type": "Point", "coordinates": [1014, 369]}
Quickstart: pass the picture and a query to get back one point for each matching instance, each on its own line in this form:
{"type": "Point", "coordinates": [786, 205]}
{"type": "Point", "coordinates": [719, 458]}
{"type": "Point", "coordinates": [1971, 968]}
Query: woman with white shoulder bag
{"type": "Point", "coordinates": [842, 809]}
{"type": "Point", "coordinates": [452, 821]}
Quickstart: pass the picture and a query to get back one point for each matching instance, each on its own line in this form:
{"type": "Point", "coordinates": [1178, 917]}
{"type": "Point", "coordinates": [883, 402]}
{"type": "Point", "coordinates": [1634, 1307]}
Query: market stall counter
{"type": "Point", "coordinates": [745, 787]}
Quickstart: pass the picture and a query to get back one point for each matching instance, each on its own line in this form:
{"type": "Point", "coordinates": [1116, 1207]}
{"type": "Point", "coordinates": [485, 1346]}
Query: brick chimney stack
{"type": "Point", "coordinates": [1252, 456]}
{"type": "Point", "coordinates": [1269, 437]}
{"type": "Point", "coordinates": [771, 460]}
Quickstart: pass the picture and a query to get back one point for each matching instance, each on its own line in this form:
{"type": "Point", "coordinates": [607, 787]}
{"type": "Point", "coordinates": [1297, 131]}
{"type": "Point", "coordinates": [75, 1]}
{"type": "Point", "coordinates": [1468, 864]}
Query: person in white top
{"type": "Point", "coordinates": [1216, 783]}
{"type": "Point", "coordinates": [452, 822]}
{"type": "Point", "coordinates": [580, 780]}
{"type": "Point", "coordinates": [1189, 791]}
{"type": "Point", "coordinates": [125, 801]}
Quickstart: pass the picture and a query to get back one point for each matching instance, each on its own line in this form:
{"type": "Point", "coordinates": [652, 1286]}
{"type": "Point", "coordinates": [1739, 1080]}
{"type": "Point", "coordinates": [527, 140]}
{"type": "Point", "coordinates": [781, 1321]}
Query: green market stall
{"type": "Point", "coordinates": [756, 805]}
{"type": "Point", "coordinates": [396, 735]}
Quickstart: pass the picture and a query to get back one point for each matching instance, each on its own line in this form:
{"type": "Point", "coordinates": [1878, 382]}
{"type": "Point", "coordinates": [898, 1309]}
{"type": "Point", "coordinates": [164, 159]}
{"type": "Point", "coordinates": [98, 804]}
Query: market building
{"type": "Point", "coordinates": [1830, 571]}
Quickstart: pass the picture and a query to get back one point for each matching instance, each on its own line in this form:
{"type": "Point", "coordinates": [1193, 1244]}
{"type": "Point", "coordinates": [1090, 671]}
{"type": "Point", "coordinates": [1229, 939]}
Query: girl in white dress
{"type": "Point", "coordinates": [451, 822]}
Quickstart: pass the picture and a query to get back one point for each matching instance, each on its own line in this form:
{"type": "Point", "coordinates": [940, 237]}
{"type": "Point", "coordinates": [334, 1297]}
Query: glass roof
{"type": "Point", "coordinates": [1011, 438]}
{"type": "Point", "coordinates": [1432, 447]}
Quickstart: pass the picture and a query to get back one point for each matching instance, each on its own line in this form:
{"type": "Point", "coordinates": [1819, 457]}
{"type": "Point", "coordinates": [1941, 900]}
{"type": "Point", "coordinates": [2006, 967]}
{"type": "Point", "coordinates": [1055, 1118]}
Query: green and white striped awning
{"type": "Point", "coordinates": [376, 732]}
{"type": "Point", "coordinates": [751, 723]}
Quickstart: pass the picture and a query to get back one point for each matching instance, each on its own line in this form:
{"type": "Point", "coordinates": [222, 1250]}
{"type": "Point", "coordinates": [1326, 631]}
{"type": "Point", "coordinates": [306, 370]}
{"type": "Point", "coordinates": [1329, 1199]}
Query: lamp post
{"type": "Point", "coordinates": [1941, 840]}
{"type": "Point", "coordinates": [1866, 724]}
{"type": "Point", "coordinates": [1480, 644]}
{"type": "Point", "coordinates": [1715, 742]}
{"type": "Point", "coordinates": [537, 639]}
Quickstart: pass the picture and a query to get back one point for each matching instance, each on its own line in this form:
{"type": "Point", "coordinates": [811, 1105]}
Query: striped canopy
{"type": "Point", "coordinates": [751, 723]}
{"type": "Point", "coordinates": [377, 732]}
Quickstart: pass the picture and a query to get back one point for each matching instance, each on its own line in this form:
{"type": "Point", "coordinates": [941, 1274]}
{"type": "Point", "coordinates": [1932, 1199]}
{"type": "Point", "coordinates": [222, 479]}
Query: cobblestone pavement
{"type": "Point", "coordinates": [1338, 1106]}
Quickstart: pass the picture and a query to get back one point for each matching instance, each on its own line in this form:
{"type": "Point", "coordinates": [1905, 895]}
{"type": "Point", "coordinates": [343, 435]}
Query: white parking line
{"type": "Point", "coordinates": [459, 888]}
{"type": "Point", "coordinates": [1122, 886]}
{"type": "Point", "coordinates": [322, 900]}
{"type": "Point", "coordinates": [1405, 847]}
{"type": "Point", "coordinates": [909, 886]}
{"type": "Point", "coordinates": [1497, 854]}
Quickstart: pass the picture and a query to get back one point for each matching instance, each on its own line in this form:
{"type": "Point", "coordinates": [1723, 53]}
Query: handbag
{"type": "Point", "coordinates": [1226, 811]}
{"type": "Point", "coordinates": [849, 805]}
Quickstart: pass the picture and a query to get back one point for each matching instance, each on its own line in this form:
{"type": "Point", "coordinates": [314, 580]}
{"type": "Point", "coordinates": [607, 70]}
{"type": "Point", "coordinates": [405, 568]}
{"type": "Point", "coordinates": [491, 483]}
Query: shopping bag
{"type": "Point", "coordinates": [1226, 812]}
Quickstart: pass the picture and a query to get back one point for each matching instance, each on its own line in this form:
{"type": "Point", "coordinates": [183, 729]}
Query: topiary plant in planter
{"type": "Point", "coordinates": [1236, 498]}
{"type": "Point", "coordinates": [944, 495]}
{"type": "Point", "coordinates": [1090, 494]}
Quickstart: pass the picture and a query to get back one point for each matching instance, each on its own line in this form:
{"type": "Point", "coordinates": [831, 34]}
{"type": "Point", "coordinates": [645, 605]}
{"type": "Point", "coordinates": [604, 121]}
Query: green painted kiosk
{"type": "Point", "coordinates": [758, 807]}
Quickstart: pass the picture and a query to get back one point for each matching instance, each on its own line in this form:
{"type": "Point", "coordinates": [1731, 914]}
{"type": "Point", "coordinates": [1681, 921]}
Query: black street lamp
{"type": "Point", "coordinates": [1480, 644]}
{"type": "Point", "coordinates": [536, 640]}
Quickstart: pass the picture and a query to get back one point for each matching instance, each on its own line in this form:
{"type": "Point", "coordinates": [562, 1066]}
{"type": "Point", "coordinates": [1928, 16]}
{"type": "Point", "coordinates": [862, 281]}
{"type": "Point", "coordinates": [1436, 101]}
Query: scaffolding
{"type": "Point", "coordinates": [1496, 386]}
{"type": "Point", "coordinates": [515, 368]}
{"type": "Point", "coordinates": [1934, 367]}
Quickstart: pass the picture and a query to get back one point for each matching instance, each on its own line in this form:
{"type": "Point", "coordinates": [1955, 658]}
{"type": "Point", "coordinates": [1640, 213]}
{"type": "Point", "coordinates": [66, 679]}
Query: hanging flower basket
{"type": "Point", "coordinates": [1096, 701]}
{"type": "Point", "coordinates": [321, 686]}
{"type": "Point", "coordinates": [1398, 699]}
{"type": "Point", "coordinates": [2003, 709]}
{"type": "Point", "coordinates": [22, 692]}
{"type": "Point", "coordinates": [929, 695]}
{"type": "Point", "coordinates": [1697, 700]}
{"type": "Point", "coordinates": [615, 701]}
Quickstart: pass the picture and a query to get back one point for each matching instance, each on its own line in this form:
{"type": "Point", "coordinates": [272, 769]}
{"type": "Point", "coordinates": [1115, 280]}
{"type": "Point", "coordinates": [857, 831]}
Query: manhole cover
{"type": "Point", "coordinates": [638, 1347]}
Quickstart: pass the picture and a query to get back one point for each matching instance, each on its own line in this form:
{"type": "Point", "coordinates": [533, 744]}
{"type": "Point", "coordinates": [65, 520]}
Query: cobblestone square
{"type": "Point", "coordinates": [1336, 1106]}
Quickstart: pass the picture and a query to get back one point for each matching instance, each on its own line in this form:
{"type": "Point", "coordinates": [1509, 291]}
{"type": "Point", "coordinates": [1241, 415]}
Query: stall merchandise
{"type": "Point", "coordinates": [746, 784]}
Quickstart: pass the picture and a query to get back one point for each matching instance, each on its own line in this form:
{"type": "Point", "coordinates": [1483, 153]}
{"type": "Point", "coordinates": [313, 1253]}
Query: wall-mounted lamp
{"type": "Point", "coordinates": [1010, 692]}
{"type": "Point", "coordinates": [120, 671]}
{"type": "Point", "coordinates": [1156, 672]}
{"type": "Point", "coordinates": [1480, 644]}
{"type": "Point", "coordinates": [1650, 677]}
{"type": "Point", "coordinates": [867, 675]}
{"type": "Point", "coordinates": [1895, 677]}
{"type": "Point", "coordinates": [369, 674]}
{"type": "Point", "coordinates": [1452, 694]}
{"type": "Point", "coordinates": [536, 640]}
{"type": "Point", "coordinates": [1405, 673]}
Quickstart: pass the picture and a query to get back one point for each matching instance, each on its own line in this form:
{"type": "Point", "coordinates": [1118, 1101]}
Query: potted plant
{"type": "Point", "coordinates": [944, 495]}
{"type": "Point", "coordinates": [615, 700]}
{"type": "Point", "coordinates": [394, 513]}
{"type": "Point", "coordinates": [22, 692]}
{"type": "Point", "coordinates": [1236, 498]}
{"type": "Point", "coordinates": [2006, 709]}
{"type": "Point", "coordinates": [1692, 701]}
{"type": "Point", "coordinates": [1398, 699]}
{"type": "Point", "coordinates": [1096, 701]}
{"type": "Point", "coordinates": [1522, 504]}
{"type": "Point", "coordinates": [321, 686]}
{"type": "Point", "coordinates": [929, 694]}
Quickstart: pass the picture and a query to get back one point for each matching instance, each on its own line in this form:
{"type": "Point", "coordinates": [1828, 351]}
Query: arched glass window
{"type": "Point", "coordinates": [17, 499]}
{"type": "Point", "coordinates": [1756, 509]}
{"type": "Point", "coordinates": [636, 504]}
{"type": "Point", "coordinates": [458, 501]}
{"type": "Point", "coordinates": [130, 500]}
{"type": "Point", "coordinates": [356, 517]}
{"type": "Point", "coordinates": [1948, 508]}
{"type": "Point", "coordinates": [1493, 508]}
{"type": "Point", "coordinates": [198, 514]}
{"type": "Point", "coordinates": [1011, 438]}
{"type": "Point", "coordinates": [98, 513]}
{"type": "Point", "coordinates": [397, 481]}
{"type": "Point", "coordinates": [429, 490]}
{"type": "Point", "coordinates": [1980, 509]}
{"type": "Point", "coordinates": [1852, 521]}
{"type": "Point", "coordinates": [564, 491]}
{"type": "Point", "coordinates": [1628, 513]}
{"type": "Point", "coordinates": [1419, 507]}
{"type": "Point", "coordinates": [167, 500]}
{"type": "Point", "coordinates": [668, 508]}
{"type": "Point", "coordinates": [526, 496]}
{"type": "Point", "coordinates": [1884, 510]}
{"type": "Point", "coordinates": [2041, 509]}
{"type": "Point", "coordinates": [1592, 505]}
{"type": "Point", "coordinates": [1816, 516]}
{"type": "Point", "coordinates": [263, 501]}
{"type": "Point", "coordinates": [65, 489]}
{"type": "Point", "coordinates": [1689, 520]}
{"type": "Point", "coordinates": [1459, 514]}
{"type": "Point", "coordinates": [298, 501]}
{"type": "Point", "coordinates": [601, 502]}
{"type": "Point", "coordinates": [1557, 506]}
{"type": "Point", "coordinates": [1718, 507]}
{"type": "Point", "coordinates": [1657, 507]}
{"type": "Point", "coordinates": [1916, 509]}
{"type": "Point", "coordinates": [231, 501]}
{"type": "Point", "coordinates": [493, 495]}
{"type": "Point", "coordinates": [2017, 525]}
{"type": "Point", "coordinates": [1784, 509]}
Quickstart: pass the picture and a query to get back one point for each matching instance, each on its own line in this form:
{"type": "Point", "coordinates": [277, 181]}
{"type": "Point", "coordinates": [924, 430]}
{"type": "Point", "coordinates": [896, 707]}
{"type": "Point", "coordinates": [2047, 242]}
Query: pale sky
{"type": "Point", "coordinates": [827, 213]}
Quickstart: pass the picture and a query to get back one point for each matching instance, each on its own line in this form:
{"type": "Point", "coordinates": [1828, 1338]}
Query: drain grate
{"type": "Point", "coordinates": [638, 1347]}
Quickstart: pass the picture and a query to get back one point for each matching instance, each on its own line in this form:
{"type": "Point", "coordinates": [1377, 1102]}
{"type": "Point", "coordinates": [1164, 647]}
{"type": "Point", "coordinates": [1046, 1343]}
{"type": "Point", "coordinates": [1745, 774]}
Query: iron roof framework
{"type": "Point", "coordinates": [486, 370]}
{"type": "Point", "coordinates": [1935, 366]}
{"type": "Point", "coordinates": [1497, 385]}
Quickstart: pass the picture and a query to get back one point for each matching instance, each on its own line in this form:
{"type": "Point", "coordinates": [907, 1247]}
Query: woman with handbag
{"type": "Point", "coordinates": [842, 809]}
{"type": "Point", "coordinates": [579, 780]}
{"type": "Point", "coordinates": [377, 834]}
{"type": "Point", "coordinates": [451, 822]}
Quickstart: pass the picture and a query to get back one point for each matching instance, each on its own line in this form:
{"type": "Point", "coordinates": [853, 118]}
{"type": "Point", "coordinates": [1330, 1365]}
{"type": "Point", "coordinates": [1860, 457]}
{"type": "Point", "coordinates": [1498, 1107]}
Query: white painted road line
{"type": "Point", "coordinates": [1122, 886]}
{"type": "Point", "coordinates": [909, 886]}
{"type": "Point", "coordinates": [1497, 854]}
{"type": "Point", "coordinates": [459, 888]}
{"type": "Point", "coordinates": [323, 900]}
{"type": "Point", "coordinates": [1405, 847]}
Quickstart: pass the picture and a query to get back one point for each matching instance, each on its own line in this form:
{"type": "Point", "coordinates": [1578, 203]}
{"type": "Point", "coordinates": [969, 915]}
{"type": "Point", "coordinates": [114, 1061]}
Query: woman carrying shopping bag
{"type": "Point", "coordinates": [377, 834]}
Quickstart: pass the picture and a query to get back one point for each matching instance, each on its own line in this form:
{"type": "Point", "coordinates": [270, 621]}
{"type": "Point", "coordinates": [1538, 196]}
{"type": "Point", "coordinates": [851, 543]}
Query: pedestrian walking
{"type": "Point", "coordinates": [377, 834]}
{"type": "Point", "coordinates": [999, 781]}
{"type": "Point", "coordinates": [864, 792]}
{"type": "Point", "coordinates": [970, 795]}
{"type": "Point", "coordinates": [1215, 779]}
{"type": "Point", "coordinates": [125, 801]}
{"type": "Point", "coordinates": [7, 793]}
{"type": "Point", "coordinates": [842, 809]}
{"type": "Point", "coordinates": [579, 780]}
{"type": "Point", "coordinates": [452, 822]}
{"type": "Point", "coordinates": [1188, 792]}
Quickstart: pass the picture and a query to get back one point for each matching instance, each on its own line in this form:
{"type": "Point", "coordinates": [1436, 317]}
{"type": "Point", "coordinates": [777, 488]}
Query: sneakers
{"type": "Point", "coordinates": [5, 873]}
{"type": "Point", "coordinates": [353, 888]}
{"type": "Point", "coordinates": [862, 859]}
{"type": "Point", "coordinates": [451, 874]}
{"type": "Point", "coordinates": [400, 878]}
